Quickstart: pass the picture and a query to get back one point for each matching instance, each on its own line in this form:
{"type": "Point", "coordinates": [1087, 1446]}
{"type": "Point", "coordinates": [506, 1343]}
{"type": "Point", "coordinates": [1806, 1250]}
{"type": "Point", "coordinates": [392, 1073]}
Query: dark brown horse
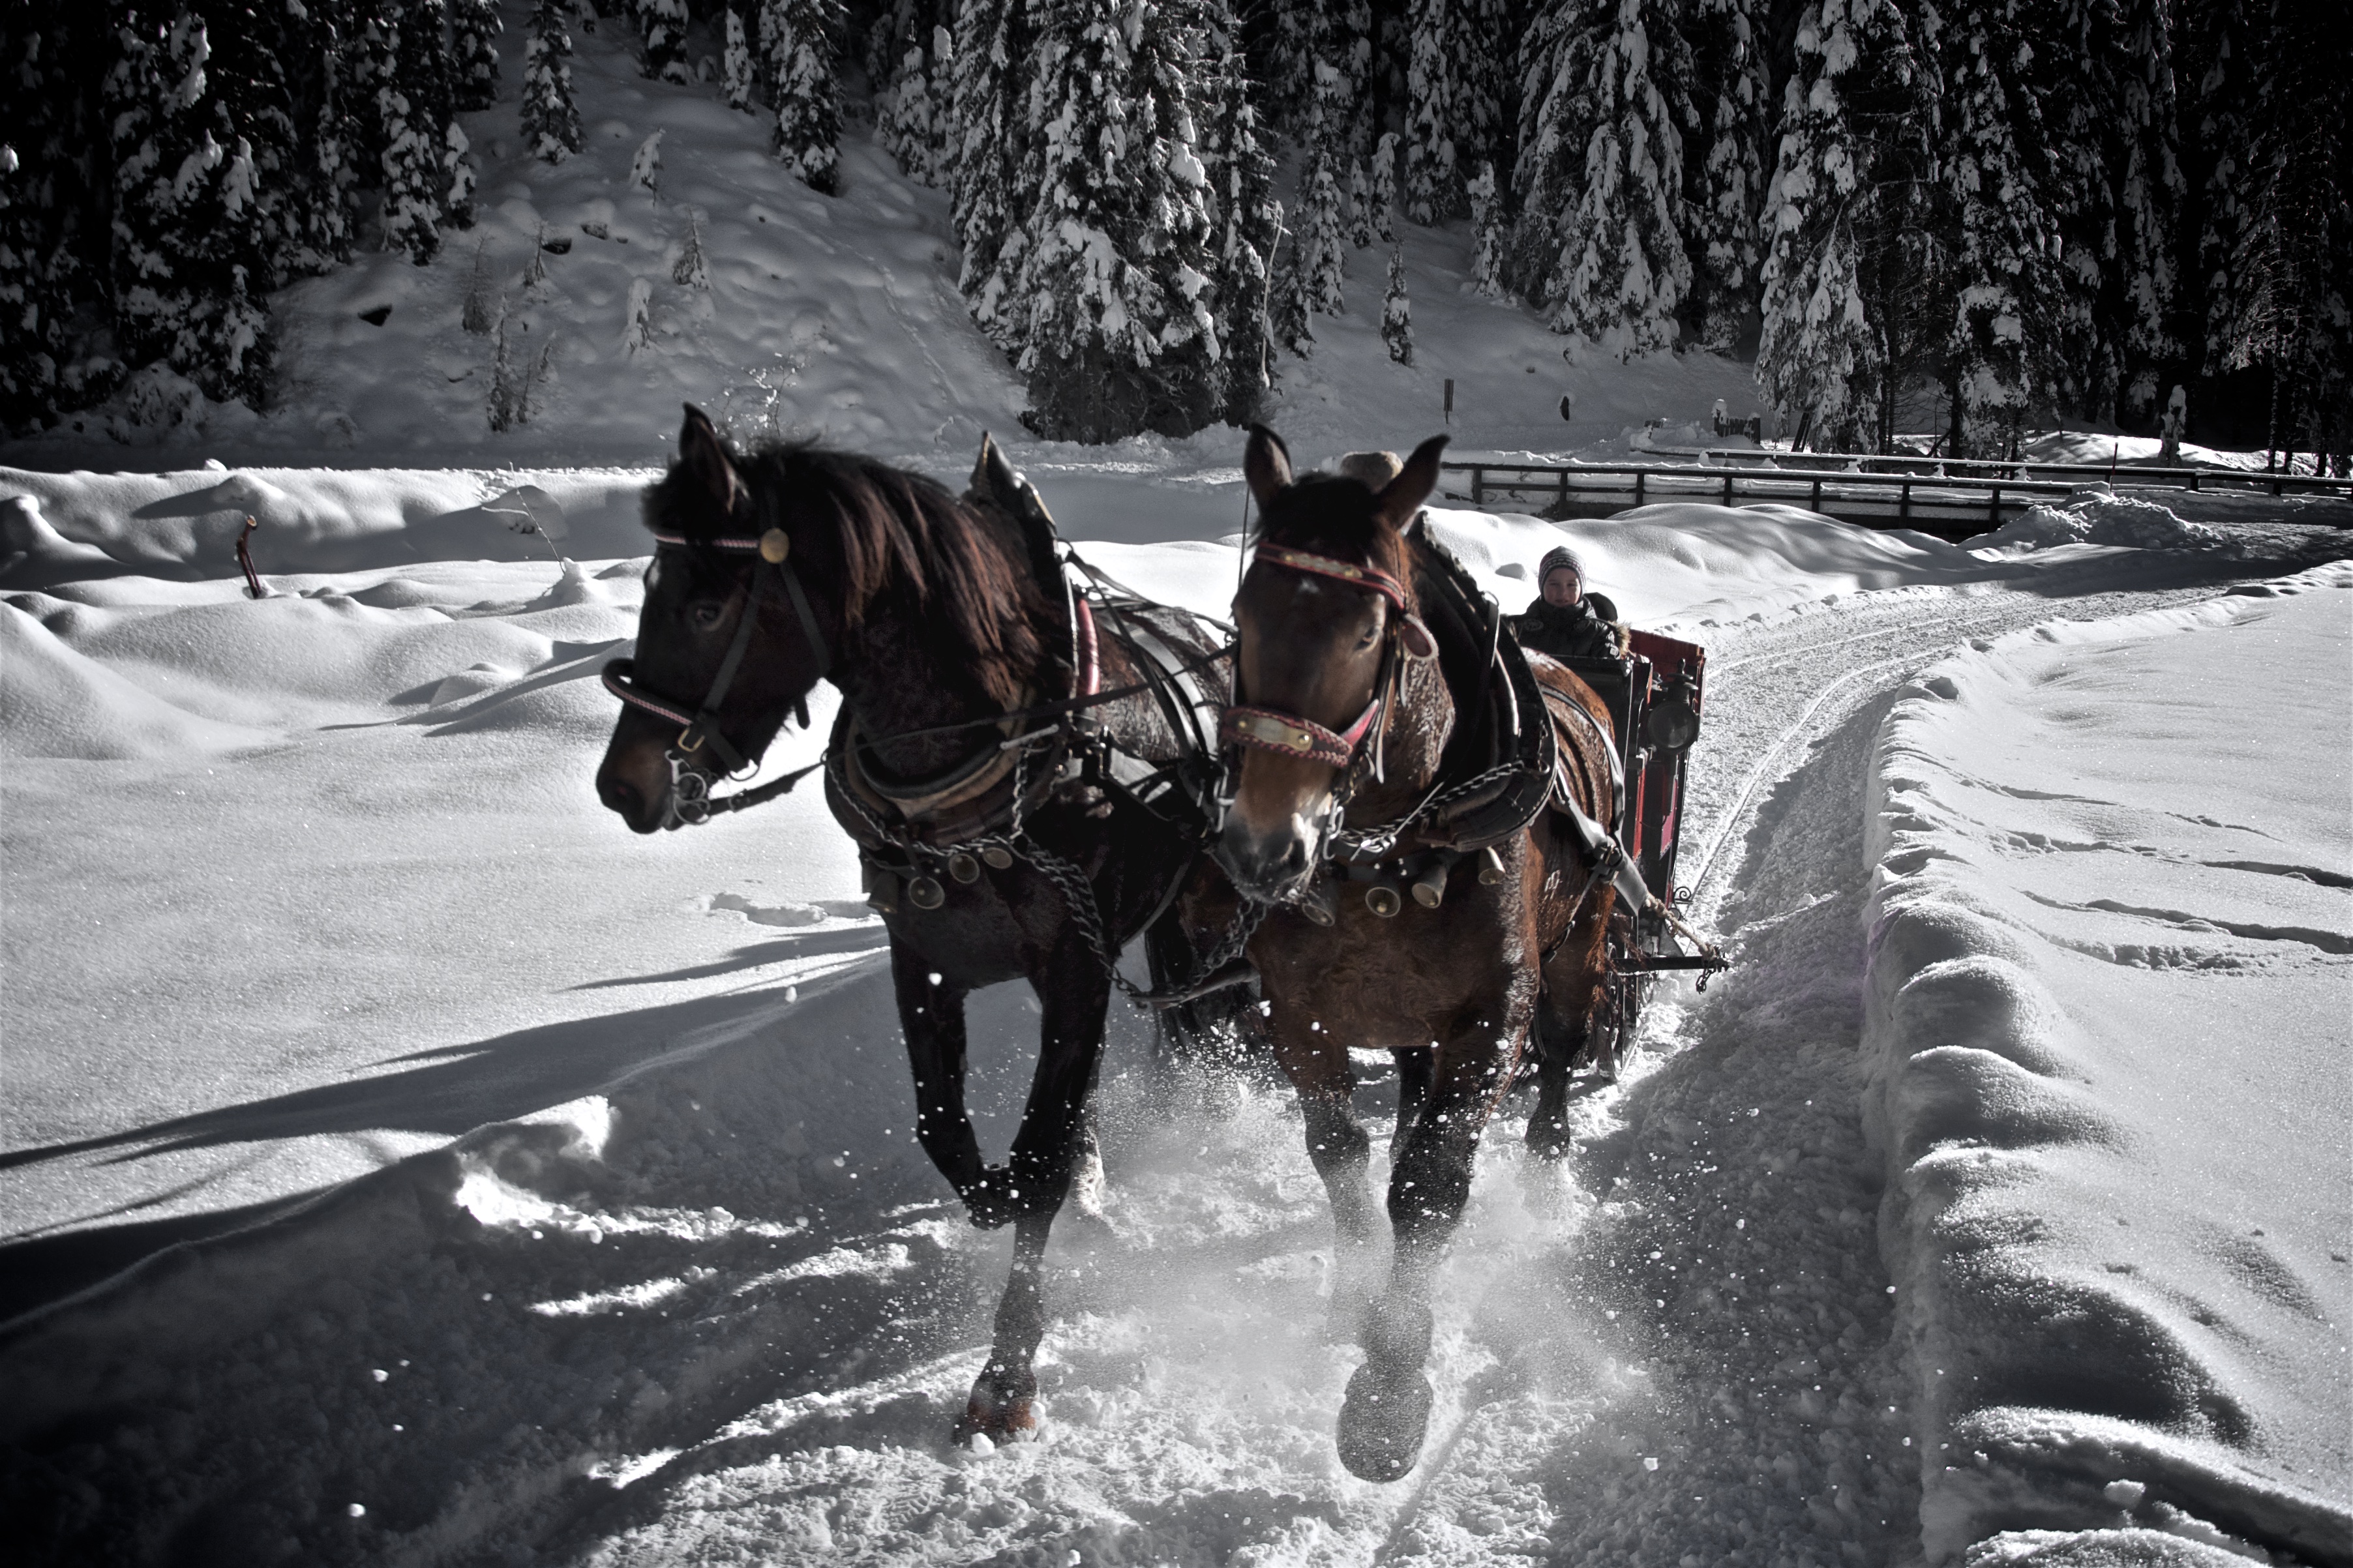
{"type": "Point", "coordinates": [1413, 805]}
{"type": "Point", "coordinates": [1014, 774]}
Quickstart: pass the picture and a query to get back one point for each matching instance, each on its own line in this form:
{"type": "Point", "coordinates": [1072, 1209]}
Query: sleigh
{"type": "Point", "coordinates": [1655, 697]}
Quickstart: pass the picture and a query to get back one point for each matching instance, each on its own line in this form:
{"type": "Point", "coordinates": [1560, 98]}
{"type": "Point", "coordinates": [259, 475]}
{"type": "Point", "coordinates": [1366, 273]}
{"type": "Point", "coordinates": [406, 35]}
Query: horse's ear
{"type": "Point", "coordinates": [1266, 464]}
{"type": "Point", "coordinates": [1401, 498]}
{"type": "Point", "coordinates": [704, 456]}
{"type": "Point", "coordinates": [993, 478]}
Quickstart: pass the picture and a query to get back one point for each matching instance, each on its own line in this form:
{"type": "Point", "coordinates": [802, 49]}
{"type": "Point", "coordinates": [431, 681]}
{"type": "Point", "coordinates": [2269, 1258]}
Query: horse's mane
{"type": "Point", "coordinates": [965, 571]}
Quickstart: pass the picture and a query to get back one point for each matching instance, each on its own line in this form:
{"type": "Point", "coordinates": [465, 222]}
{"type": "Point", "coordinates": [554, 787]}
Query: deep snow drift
{"type": "Point", "coordinates": [2112, 949]}
{"type": "Point", "coordinates": [302, 889]}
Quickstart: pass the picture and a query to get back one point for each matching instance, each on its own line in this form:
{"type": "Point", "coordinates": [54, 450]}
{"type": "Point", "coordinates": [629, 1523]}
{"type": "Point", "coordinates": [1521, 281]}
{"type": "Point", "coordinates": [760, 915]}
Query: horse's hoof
{"type": "Point", "coordinates": [1382, 1423]}
{"type": "Point", "coordinates": [1003, 1408]}
{"type": "Point", "coordinates": [1548, 1136]}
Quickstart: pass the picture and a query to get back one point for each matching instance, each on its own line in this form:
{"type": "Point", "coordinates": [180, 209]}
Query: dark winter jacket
{"type": "Point", "coordinates": [1583, 630]}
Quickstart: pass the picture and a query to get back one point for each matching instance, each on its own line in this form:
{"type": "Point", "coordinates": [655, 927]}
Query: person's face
{"type": "Point", "coordinates": [1561, 586]}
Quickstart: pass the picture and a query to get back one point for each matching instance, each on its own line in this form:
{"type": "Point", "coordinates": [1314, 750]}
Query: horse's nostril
{"type": "Point", "coordinates": [619, 794]}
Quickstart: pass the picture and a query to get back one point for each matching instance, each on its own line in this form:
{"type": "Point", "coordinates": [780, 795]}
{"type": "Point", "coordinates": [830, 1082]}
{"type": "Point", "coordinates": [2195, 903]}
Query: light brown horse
{"type": "Point", "coordinates": [1399, 782]}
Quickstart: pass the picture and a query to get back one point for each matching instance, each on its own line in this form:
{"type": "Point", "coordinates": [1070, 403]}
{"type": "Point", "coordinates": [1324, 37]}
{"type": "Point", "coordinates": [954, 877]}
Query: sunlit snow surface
{"type": "Point", "coordinates": [574, 1203]}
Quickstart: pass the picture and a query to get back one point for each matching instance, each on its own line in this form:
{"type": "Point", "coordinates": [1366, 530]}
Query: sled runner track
{"type": "Point", "coordinates": [1756, 774]}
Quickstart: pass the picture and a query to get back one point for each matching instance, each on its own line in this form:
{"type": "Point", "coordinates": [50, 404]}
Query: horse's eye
{"type": "Point", "coordinates": [705, 613]}
{"type": "Point", "coordinates": [1370, 633]}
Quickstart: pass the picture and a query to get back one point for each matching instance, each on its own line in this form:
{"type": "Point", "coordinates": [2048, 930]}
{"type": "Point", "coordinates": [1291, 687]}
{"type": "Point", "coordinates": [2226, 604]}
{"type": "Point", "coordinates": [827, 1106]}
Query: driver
{"type": "Point", "coordinates": [1566, 621]}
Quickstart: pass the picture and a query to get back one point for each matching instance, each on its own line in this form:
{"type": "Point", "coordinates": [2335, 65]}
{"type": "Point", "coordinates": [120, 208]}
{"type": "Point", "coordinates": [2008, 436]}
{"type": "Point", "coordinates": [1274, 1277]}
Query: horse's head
{"type": "Point", "coordinates": [732, 636]}
{"type": "Point", "coordinates": [1324, 615]}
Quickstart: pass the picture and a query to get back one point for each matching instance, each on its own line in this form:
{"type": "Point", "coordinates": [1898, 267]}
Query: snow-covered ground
{"type": "Point", "coordinates": [401, 1162]}
{"type": "Point", "coordinates": [560, 1189]}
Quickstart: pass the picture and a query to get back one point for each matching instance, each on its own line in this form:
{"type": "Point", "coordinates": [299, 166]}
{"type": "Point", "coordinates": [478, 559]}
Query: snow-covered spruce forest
{"type": "Point", "coordinates": [1968, 216]}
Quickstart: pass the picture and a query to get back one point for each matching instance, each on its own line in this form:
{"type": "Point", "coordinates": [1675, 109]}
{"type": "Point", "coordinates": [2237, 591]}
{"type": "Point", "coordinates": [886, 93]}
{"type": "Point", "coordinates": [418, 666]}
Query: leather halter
{"type": "Point", "coordinates": [700, 729]}
{"type": "Point", "coordinates": [1291, 735]}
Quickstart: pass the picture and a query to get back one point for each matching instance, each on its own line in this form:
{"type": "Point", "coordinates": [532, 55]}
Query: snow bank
{"type": "Point", "coordinates": [185, 526]}
{"type": "Point", "coordinates": [2111, 941]}
{"type": "Point", "coordinates": [2096, 516]}
{"type": "Point", "coordinates": [2094, 446]}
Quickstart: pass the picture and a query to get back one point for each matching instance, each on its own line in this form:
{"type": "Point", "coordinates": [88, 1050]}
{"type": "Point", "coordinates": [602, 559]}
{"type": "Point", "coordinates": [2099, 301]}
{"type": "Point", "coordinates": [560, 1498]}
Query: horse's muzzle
{"type": "Point", "coordinates": [1266, 868]}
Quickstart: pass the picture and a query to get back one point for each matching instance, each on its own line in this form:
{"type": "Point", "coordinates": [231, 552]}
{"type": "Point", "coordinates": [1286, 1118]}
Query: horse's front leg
{"type": "Point", "coordinates": [931, 1019]}
{"type": "Point", "coordinates": [1317, 1065]}
{"type": "Point", "coordinates": [1073, 992]}
{"type": "Point", "coordinates": [1388, 1407]}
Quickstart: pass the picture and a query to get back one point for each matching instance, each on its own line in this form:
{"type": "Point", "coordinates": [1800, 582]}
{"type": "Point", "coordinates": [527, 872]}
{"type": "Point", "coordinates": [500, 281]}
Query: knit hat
{"type": "Point", "coordinates": [1555, 558]}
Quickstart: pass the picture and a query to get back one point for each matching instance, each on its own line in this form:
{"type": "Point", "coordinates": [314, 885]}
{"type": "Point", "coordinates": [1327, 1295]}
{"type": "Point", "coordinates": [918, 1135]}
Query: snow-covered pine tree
{"type": "Point", "coordinates": [329, 214]}
{"type": "Point", "coordinates": [1118, 276]}
{"type": "Point", "coordinates": [661, 25]}
{"type": "Point", "coordinates": [1385, 187]}
{"type": "Point", "coordinates": [1845, 315]}
{"type": "Point", "coordinates": [2219, 86]}
{"type": "Point", "coordinates": [1396, 312]}
{"type": "Point", "coordinates": [1249, 218]}
{"type": "Point", "coordinates": [1723, 180]}
{"type": "Point", "coordinates": [1435, 111]}
{"type": "Point", "coordinates": [1323, 236]}
{"type": "Point", "coordinates": [736, 63]}
{"type": "Point", "coordinates": [551, 123]}
{"type": "Point", "coordinates": [799, 37]}
{"type": "Point", "coordinates": [265, 230]}
{"type": "Point", "coordinates": [1603, 175]}
{"type": "Point", "coordinates": [2140, 292]}
{"type": "Point", "coordinates": [645, 167]}
{"type": "Point", "coordinates": [474, 31]}
{"type": "Point", "coordinates": [2006, 338]}
{"type": "Point", "coordinates": [1487, 237]}
{"type": "Point", "coordinates": [188, 278]}
{"type": "Point", "coordinates": [2287, 279]}
{"type": "Point", "coordinates": [53, 214]}
{"type": "Point", "coordinates": [996, 153]}
{"type": "Point", "coordinates": [1360, 208]}
{"type": "Point", "coordinates": [912, 117]}
{"type": "Point", "coordinates": [414, 107]}
{"type": "Point", "coordinates": [476, 315]}
{"type": "Point", "coordinates": [693, 270]}
{"type": "Point", "coordinates": [1289, 315]}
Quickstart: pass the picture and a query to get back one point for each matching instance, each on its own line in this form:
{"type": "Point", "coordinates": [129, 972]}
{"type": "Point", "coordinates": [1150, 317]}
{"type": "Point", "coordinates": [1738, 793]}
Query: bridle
{"type": "Point", "coordinates": [699, 734]}
{"type": "Point", "coordinates": [1287, 734]}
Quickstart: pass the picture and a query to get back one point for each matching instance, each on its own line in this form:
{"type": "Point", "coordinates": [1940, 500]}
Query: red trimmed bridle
{"type": "Point", "coordinates": [1289, 735]}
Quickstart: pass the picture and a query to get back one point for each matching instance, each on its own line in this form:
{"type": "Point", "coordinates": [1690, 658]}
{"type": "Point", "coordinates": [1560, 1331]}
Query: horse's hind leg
{"type": "Point", "coordinates": [1574, 984]}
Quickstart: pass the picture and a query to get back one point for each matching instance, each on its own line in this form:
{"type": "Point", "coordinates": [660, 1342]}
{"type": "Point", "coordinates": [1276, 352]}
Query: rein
{"type": "Point", "coordinates": [692, 800]}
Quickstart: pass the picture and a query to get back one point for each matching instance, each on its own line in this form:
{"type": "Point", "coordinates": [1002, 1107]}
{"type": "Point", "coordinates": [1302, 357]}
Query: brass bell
{"type": "Point", "coordinates": [964, 867]}
{"type": "Point", "coordinates": [999, 856]}
{"type": "Point", "coordinates": [1430, 888]}
{"type": "Point", "coordinates": [1490, 867]}
{"type": "Point", "coordinates": [1383, 901]}
{"type": "Point", "coordinates": [925, 892]}
{"type": "Point", "coordinates": [884, 893]}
